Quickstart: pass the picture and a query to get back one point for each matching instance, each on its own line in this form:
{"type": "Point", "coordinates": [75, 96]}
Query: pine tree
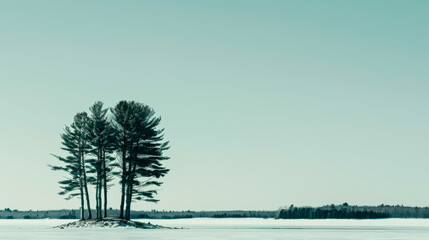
{"type": "Point", "coordinates": [122, 118]}
{"type": "Point", "coordinates": [101, 138]}
{"type": "Point", "coordinates": [133, 135]}
{"type": "Point", "coordinates": [74, 141]}
{"type": "Point", "coordinates": [145, 156]}
{"type": "Point", "coordinates": [140, 148]}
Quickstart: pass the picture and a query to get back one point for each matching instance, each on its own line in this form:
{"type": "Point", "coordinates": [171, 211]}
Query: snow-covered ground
{"type": "Point", "coordinates": [229, 229]}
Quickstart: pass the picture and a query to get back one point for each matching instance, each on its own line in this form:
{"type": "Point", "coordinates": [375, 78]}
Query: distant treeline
{"type": "Point", "coordinates": [318, 213]}
{"type": "Point", "coordinates": [345, 211]}
{"type": "Point", "coordinates": [74, 214]}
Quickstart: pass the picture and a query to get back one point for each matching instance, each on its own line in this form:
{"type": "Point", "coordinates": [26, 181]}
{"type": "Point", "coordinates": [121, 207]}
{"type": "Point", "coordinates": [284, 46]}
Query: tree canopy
{"type": "Point", "coordinates": [127, 144]}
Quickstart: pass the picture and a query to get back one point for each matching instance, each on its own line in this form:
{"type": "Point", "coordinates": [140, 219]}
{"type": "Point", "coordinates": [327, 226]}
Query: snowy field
{"type": "Point", "coordinates": [230, 229]}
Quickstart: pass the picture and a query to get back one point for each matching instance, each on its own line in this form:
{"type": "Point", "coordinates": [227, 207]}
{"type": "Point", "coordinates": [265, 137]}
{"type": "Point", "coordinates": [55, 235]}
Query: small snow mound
{"type": "Point", "coordinates": [108, 223]}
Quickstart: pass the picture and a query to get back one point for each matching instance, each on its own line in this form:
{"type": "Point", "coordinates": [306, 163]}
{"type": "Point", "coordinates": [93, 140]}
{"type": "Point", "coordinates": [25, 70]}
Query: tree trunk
{"type": "Point", "coordinates": [97, 208]}
{"type": "Point", "coordinates": [87, 195]}
{"type": "Point", "coordinates": [82, 203]}
{"type": "Point", "coordinates": [105, 183]}
{"type": "Point", "coordinates": [124, 172]}
{"type": "Point", "coordinates": [98, 188]}
{"type": "Point", "coordinates": [100, 200]}
{"type": "Point", "coordinates": [128, 206]}
{"type": "Point", "coordinates": [85, 185]}
{"type": "Point", "coordinates": [121, 211]}
{"type": "Point", "coordinates": [130, 192]}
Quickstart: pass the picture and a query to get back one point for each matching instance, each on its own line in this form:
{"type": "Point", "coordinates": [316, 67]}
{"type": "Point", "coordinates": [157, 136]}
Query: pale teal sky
{"type": "Point", "coordinates": [266, 103]}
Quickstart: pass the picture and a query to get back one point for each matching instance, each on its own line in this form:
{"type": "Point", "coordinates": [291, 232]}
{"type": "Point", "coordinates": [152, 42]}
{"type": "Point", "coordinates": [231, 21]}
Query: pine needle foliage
{"type": "Point", "coordinates": [140, 146]}
{"type": "Point", "coordinates": [75, 143]}
{"type": "Point", "coordinates": [101, 139]}
{"type": "Point", "coordinates": [129, 146]}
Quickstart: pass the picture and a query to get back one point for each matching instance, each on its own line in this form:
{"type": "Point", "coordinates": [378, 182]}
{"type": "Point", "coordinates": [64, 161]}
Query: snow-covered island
{"type": "Point", "coordinates": [110, 223]}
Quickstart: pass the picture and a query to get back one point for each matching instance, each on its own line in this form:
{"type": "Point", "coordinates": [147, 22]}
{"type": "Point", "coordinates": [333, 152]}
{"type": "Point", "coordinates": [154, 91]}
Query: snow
{"type": "Point", "coordinates": [229, 229]}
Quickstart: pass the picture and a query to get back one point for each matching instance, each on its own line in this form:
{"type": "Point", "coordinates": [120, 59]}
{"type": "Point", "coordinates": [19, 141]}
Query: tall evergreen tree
{"type": "Point", "coordinates": [74, 141]}
{"type": "Point", "coordinates": [101, 137]}
{"type": "Point", "coordinates": [145, 156]}
{"type": "Point", "coordinates": [140, 150]}
{"type": "Point", "coordinates": [122, 119]}
{"type": "Point", "coordinates": [138, 143]}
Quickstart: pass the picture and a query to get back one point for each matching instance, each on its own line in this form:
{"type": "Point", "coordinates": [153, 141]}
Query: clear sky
{"type": "Point", "coordinates": [266, 103]}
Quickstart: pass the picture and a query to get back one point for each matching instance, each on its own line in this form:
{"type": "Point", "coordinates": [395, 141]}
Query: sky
{"type": "Point", "coordinates": [265, 103]}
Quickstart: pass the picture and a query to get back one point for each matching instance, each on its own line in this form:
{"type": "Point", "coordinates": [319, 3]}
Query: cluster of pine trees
{"type": "Point", "coordinates": [125, 143]}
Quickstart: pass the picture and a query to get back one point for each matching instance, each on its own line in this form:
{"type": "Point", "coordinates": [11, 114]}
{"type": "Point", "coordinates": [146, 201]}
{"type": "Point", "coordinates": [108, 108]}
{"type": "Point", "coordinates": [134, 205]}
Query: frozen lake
{"type": "Point", "coordinates": [231, 229]}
